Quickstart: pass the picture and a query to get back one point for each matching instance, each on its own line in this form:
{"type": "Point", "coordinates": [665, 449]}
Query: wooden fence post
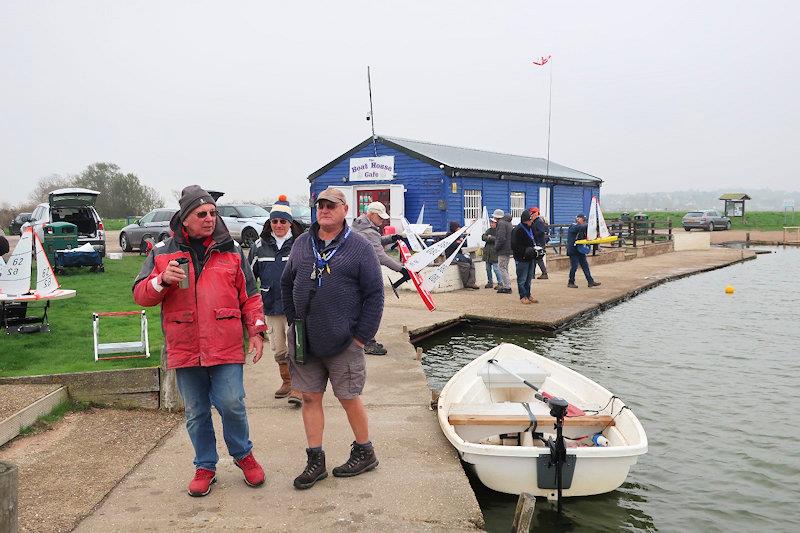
{"type": "Point", "coordinates": [669, 227]}
{"type": "Point", "coordinates": [169, 395]}
{"type": "Point", "coordinates": [523, 516]}
{"type": "Point", "coordinates": [9, 479]}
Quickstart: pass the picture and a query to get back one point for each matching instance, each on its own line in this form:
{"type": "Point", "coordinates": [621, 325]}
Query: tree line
{"type": "Point", "coordinates": [121, 194]}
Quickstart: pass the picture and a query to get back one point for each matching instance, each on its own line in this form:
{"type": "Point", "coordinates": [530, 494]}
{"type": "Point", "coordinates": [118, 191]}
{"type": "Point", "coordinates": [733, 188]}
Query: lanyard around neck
{"type": "Point", "coordinates": [322, 259]}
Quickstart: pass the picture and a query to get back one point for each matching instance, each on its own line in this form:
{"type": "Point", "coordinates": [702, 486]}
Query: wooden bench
{"type": "Point", "coordinates": [524, 420]}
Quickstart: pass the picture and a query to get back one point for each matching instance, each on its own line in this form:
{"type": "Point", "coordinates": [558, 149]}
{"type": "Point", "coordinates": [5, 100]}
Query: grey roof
{"type": "Point", "coordinates": [480, 160]}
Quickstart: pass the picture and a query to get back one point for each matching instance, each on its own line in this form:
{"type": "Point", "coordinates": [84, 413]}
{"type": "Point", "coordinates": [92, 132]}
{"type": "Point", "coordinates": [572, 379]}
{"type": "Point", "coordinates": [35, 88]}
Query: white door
{"type": "Point", "coordinates": [397, 207]}
{"type": "Point", "coordinates": [544, 203]}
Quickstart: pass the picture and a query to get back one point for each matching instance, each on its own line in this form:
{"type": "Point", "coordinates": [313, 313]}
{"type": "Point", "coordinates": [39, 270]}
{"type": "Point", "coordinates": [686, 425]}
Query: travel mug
{"type": "Point", "coordinates": [184, 264]}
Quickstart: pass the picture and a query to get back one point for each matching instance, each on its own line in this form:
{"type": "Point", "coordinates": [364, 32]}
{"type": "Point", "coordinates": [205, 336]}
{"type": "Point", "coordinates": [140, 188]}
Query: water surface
{"type": "Point", "coordinates": [715, 381]}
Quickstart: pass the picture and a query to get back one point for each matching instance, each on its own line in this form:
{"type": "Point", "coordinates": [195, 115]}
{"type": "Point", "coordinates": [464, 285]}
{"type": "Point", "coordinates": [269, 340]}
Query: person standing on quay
{"type": "Point", "coordinates": [522, 244]}
{"type": "Point", "coordinates": [490, 255]}
{"type": "Point", "coordinates": [370, 225]}
{"type": "Point", "coordinates": [540, 237]}
{"type": "Point", "coordinates": [333, 299]}
{"type": "Point", "coordinates": [203, 316]}
{"type": "Point", "coordinates": [268, 257]}
{"type": "Point", "coordinates": [466, 267]}
{"type": "Point", "coordinates": [576, 232]}
{"type": "Point", "coordinates": [502, 246]}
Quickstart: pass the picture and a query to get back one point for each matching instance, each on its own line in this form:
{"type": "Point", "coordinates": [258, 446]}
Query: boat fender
{"type": "Point", "coordinates": [532, 417]}
{"type": "Point", "coordinates": [599, 440]}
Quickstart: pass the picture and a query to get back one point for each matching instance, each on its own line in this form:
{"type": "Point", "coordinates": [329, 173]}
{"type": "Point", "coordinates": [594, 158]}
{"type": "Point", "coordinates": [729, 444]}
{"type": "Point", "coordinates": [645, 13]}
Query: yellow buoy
{"type": "Point", "coordinates": [729, 289]}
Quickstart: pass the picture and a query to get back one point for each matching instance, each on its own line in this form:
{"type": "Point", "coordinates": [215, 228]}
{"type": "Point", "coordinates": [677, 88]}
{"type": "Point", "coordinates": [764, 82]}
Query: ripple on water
{"type": "Point", "coordinates": [713, 379]}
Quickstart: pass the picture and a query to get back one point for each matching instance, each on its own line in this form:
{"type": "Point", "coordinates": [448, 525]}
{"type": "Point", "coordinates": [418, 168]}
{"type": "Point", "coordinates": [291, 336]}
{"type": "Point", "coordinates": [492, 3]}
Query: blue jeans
{"type": "Point", "coordinates": [223, 387]}
{"type": "Point", "coordinates": [490, 267]}
{"type": "Point", "coordinates": [574, 261]}
{"type": "Point", "coordinates": [525, 271]}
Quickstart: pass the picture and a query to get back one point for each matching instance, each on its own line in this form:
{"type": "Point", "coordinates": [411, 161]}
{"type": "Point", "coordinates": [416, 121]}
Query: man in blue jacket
{"type": "Point", "coordinates": [576, 232]}
{"type": "Point", "coordinates": [333, 296]}
{"type": "Point", "coordinates": [268, 257]}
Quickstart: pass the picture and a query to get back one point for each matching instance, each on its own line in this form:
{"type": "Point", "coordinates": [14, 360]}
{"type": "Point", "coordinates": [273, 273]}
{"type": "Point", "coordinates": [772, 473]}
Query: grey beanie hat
{"type": "Point", "coordinates": [191, 197]}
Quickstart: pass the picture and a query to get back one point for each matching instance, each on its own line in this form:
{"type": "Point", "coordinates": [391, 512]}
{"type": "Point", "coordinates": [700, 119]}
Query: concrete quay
{"type": "Point", "coordinates": [419, 485]}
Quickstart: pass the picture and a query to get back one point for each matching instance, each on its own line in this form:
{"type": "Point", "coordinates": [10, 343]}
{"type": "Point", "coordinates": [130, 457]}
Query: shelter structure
{"type": "Point", "coordinates": [734, 204]}
{"type": "Point", "coordinates": [452, 183]}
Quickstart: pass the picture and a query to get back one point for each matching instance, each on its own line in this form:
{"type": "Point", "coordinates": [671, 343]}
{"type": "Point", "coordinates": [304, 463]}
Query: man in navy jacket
{"type": "Point", "coordinates": [576, 232]}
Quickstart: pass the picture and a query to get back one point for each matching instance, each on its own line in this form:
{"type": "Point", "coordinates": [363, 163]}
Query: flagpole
{"type": "Point", "coordinates": [549, 115]}
{"type": "Point", "coordinates": [371, 115]}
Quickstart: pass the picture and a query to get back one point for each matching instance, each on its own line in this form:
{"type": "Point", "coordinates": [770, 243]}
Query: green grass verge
{"type": "Point", "coordinates": [114, 224]}
{"type": "Point", "coordinates": [755, 220]}
{"type": "Point", "coordinates": [68, 346]}
{"type": "Point", "coordinates": [58, 412]}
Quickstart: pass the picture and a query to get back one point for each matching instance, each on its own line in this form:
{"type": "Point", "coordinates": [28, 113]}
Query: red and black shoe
{"type": "Point", "coordinates": [253, 473]}
{"type": "Point", "coordinates": [201, 484]}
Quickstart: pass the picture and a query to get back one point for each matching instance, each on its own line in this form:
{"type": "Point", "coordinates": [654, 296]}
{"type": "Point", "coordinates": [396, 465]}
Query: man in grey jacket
{"type": "Point", "coordinates": [502, 245]}
{"type": "Point", "coordinates": [370, 226]}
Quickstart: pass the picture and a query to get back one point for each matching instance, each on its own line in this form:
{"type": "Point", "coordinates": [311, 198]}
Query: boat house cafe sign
{"type": "Point", "coordinates": [372, 168]}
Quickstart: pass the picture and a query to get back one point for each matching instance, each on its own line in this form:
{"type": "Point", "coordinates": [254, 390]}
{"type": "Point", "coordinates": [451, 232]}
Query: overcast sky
{"type": "Point", "coordinates": [251, 97]}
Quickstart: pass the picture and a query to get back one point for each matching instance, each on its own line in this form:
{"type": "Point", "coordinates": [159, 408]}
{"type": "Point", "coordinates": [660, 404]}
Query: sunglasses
{"type": "Point", "coordinates": [324, 204]}
{"type": "Point", "coordinates": [278, 221]}
{"type": "Point", "coordinates": [204, 214]}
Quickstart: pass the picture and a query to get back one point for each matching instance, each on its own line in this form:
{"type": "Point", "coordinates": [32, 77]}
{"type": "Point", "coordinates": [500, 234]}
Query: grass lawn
{"type": "Point", "coordinates": [114, 224]}
{"type": "Point", "coordinates": [68, 346]}
{"type": "Point", "coordinates": [755, 220]}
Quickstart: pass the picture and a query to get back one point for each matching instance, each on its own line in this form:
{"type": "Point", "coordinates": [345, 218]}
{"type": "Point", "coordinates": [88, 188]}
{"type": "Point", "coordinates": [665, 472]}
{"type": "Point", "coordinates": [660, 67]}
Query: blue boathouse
{"type": "Point", "coordinates": [452, 183]}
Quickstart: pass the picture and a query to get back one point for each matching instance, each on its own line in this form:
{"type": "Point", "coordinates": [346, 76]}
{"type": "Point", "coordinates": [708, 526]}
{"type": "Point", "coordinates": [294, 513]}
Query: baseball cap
{"type": "Point", "coordinates": [379, 208]}
{"type": "Point", "coordinates": [498, 213]}
{"type": "Point", "coordinates": [332, 195]}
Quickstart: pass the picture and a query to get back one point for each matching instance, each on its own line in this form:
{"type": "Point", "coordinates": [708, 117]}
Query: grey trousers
{"type": "Point", "coordinates": [540, 263]}
{"type": "Point", "coordinates": [502, 262]}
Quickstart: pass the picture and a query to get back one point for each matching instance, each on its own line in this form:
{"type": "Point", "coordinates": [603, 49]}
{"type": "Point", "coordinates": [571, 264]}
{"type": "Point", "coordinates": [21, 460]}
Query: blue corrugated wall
{"type": "Point", "coordinates": [427, 184]}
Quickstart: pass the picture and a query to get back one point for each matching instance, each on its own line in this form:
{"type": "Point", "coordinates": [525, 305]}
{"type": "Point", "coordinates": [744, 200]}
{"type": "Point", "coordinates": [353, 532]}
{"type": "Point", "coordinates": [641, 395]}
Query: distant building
{"type": "Point", "coordinates": [453, 183]}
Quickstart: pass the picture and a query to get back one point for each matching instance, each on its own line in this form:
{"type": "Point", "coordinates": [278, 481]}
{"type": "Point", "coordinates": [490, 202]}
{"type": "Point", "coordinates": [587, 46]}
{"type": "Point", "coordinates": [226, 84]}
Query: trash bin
{"type": "Point", "coordinates": [641, 222]}
{"type": "Point", "coordinates": [59, 236]}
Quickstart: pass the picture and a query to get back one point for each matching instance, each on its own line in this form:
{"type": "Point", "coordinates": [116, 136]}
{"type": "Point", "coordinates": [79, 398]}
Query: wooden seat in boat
{"type": "Point", "coordinates": [514, 414]}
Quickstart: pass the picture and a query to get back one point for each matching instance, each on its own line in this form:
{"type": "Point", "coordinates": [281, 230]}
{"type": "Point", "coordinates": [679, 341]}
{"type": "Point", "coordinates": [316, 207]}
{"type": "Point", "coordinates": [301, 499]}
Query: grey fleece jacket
{"type": "Point", "coordinates": [502, 243]}
{"type": "Point", "coordinates": [372, 233]}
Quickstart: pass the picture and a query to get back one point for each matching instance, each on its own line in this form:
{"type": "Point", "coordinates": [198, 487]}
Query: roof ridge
{"type": "Point", "coordinates": [388, 138]}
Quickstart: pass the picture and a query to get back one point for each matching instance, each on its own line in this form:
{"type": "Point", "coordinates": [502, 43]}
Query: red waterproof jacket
{"type": "Point", "coordinates": [203, 325]}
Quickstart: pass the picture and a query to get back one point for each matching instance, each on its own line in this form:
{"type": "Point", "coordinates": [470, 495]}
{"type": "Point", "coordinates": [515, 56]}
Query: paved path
{"type": "Point", "coordinates": [419, 484]}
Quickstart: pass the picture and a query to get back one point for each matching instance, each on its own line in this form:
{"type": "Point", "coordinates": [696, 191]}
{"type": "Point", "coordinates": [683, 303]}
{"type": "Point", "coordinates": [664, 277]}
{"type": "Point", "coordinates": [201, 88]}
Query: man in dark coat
{"type": "Point", "coordinates": [490, 254]}
{"type": "Point", "coordinates": [267, 257]}
{"type": "Point", "coordinates": [576, 232]}
{"type": "Point", "coordinates": [466, 268]}
{"type": "Point", "coordinates": [502, 246]}
{"type": "Point", "coordinates": [522, 246]}
{"type": "Point", "coordinates": [541, 235]}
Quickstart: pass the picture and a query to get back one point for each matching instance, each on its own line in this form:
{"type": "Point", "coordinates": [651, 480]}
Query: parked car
{"type": "Point", "coordinates": [15, 228]}
{"type": "Point", "coordinates": [708, 220]}
{"type": "Point", "coordinates": [154, 225]}
{"type": "Point", "coordinates": [244, 221]}
{"type": "Point", "coordinates": [76, 206]}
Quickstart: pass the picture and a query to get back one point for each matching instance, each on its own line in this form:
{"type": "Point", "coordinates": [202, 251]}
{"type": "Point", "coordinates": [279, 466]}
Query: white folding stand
{"type": "Point", "coordinates": [141, 347]}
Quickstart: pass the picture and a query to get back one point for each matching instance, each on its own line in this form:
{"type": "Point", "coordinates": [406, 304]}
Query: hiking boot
{"type": "Point", "coordinates": [488, 286]}
{"type": "Point", "coordinates": [295, 398]}
{"type": "Point", "coordinates": [315, 470]}
{"type": "Point", "coordinates": [201, 484]}
{"type": "Point", "coordinates": [253, 473]}
{"type": "Point", "coordinates": [374, 349]}
{"type": "Point", "coordinates": [362, 459]}
{"type": "Point", "coordinates": [524, 301]}
{"type": "Point", "coordinates": [286, 387]}
{"type": "Point", "coordinates": [532, 300]}
{"type": "Point", "coordinates": [504, 291]}
{"type": "Point", "coordinates": [544, 276]}
{"type": "Point", "coordinates": [594, 283]}
{"type": "Point", "coordinates": [572, 285]}
{"type": "Point", "coordinates": [472, 287]}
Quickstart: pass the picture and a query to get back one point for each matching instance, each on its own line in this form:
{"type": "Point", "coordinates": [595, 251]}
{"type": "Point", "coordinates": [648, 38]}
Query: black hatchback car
{"type": "Point", "coordinates": [15, 228]}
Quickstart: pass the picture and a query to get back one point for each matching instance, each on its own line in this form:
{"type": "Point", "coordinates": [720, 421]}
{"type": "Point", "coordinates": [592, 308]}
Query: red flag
{"type": "Point", "coordinates": [543, 61]}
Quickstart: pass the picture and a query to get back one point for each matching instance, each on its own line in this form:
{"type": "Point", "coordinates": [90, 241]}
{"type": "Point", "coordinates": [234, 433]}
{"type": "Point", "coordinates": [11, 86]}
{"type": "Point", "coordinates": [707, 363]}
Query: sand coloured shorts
{"type": "Point", "coordinates": [347, 372]}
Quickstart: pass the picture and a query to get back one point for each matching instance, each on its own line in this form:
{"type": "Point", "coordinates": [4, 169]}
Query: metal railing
{"type": "Point", "coordinates": [630, 233]}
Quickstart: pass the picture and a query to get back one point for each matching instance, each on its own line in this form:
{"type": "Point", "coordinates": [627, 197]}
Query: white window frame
{"type": "Point", "coordinates": [473, 204]}
{"type": "Point", "coordinates": [517, 203]}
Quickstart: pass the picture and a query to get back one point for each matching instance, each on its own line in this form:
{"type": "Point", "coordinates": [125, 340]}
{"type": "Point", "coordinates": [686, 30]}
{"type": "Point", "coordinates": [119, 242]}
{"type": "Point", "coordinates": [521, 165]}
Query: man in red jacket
{"type": "Point", "coordinates": [203, 325]}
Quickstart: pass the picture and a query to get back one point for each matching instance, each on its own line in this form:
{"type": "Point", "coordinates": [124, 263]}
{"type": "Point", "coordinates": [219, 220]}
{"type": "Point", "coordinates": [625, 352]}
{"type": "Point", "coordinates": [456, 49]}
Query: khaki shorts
{"type": "Point", "coordinates": [347, 372]}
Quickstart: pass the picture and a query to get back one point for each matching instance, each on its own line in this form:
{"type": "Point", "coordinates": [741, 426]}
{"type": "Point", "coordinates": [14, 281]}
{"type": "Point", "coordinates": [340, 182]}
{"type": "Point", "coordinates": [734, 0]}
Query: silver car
{"type": "Point", "coordinates": [708, 220]}
{"type": "Point", "coordinates": [154, 225]}
{"type": "Point", "coordinates": [244, 221]}
{"type": "Point", "coordinates": [76, 206]}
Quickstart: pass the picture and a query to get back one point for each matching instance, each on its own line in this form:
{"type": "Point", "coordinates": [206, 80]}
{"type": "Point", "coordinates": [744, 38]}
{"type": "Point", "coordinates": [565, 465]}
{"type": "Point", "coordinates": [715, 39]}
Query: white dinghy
{"type": "Point", "coordinates": [494, 411]}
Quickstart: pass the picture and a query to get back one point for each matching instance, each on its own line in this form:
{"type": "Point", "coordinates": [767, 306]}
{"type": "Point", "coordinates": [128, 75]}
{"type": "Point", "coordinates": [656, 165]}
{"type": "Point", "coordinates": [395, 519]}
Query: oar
{"type": "Point", "coordinates": [541, 396]}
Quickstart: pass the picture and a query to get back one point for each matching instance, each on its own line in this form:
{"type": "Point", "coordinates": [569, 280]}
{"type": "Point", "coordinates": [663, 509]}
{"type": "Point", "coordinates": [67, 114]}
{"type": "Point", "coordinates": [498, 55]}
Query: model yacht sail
{"type": "Point", "coordinates": [597, 230]}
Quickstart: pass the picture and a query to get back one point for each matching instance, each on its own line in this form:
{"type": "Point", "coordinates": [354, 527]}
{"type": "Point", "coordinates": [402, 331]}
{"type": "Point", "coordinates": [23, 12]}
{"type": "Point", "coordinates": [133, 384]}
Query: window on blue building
{"type": "Point", "coordinates": [473, 204]}
{"type": "Point", "coordinates": [517, 204]}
